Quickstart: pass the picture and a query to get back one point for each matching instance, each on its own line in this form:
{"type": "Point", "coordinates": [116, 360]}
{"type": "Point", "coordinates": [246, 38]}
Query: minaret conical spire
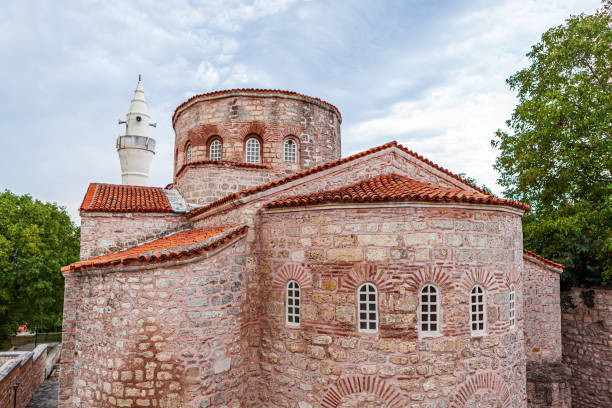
{"type": "Point", "coordinates": [136, 148]}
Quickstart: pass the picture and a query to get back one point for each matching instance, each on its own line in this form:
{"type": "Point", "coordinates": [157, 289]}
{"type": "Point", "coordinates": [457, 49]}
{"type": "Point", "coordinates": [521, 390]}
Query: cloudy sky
{"type": "Point", "coordinates": [429, 74]}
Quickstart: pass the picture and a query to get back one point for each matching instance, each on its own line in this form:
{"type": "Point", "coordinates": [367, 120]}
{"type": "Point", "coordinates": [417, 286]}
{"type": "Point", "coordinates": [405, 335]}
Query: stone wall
{"type": "Point", "coordinates": [168, 335]}
{"type": "Point", "coordinates": [372, 165]}
{"type": "Point", "coordinates": [205, 183]}
{"type": "Point", "coordinates": [327, 362]}
{"type": "Point", "coordinates": [542, 311]}
{"type": "Point", "coordinates": [272, 117]}
{"type": "Point", "coordinates": [103, 233]}
{"type": "Point", "coordinates": [26, 367]}
{"type": "Point", "coordinates": [587, 348]}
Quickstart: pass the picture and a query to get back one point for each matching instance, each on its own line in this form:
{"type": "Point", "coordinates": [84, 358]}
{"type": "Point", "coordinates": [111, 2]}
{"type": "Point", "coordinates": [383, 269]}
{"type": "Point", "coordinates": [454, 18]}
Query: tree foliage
{"type": "Point", "coordinates": [557, 156]}
{"type": "Point", "coordinates": [36, 239]}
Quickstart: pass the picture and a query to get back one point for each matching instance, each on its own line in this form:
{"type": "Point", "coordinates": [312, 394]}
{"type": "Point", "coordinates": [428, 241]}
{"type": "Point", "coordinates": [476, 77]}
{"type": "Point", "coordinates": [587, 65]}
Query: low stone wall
{"type": "Point", "coordinates": [587, 348]}
{"type": "Point", "coordinates": [548, 385]}
{"type": "Point", "coordinates": [26, 367]}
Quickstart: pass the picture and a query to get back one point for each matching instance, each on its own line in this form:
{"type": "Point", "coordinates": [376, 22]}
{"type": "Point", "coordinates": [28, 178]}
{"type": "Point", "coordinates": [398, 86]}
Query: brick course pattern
{"type": "Point", "coordinates": [103, 233]}
{"type": "Point", "coordinates": [173, 335]}
{"type": "Point", "coordinates": [399, 250]}
{"type": "Point", "coordinates": [587, 348]}
{"type": "Point", "coordinates": [542, 310]}
{"type": "Point", "coordinates": [26, 367]}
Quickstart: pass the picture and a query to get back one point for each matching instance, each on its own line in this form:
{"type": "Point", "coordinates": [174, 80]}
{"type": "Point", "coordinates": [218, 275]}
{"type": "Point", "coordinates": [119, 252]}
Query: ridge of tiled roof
{"type": "Point", "coordinates": [229, 163]}
{"type": "Point", "coordinates": [251, 90]}
{"type": "Point", "coordinates": [102, 197]}
{"type": "Point", "coordinates": [541, 258]}
{"type": "Point", "coordinates": [304, 173]}
{"type": "Point", "coordinates": [177, 245]}
{"type": "Point", "coordinates": [393, 187]}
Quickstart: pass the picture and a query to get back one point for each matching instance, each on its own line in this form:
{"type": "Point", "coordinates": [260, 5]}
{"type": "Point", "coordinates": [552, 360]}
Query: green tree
{"type": "Point", "coordinates": [557, 156]}
{"type": "Point", "coordinates": [36, 239]}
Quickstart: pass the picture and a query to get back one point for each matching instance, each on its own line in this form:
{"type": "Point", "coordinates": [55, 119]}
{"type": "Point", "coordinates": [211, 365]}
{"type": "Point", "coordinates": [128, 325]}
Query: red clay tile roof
{"type": "Point", "coordinates": [541, 258]}
{"type": "Point", "coordinates": [228, 163]}
{"type": "Point", "coordinates": [123, 198]}
{"type": "Point", "coordinates": [251, 91]}
{"type": "Point", "coordinates": [180, 244]}
{"type": "Point", "coordinates": [284, 180]}
{"type": "Point", "coordinates": [394, 187]}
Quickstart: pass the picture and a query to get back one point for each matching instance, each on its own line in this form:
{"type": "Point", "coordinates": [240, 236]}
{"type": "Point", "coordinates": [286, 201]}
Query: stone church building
{"type": "Point", "coordinates": [272, 272]}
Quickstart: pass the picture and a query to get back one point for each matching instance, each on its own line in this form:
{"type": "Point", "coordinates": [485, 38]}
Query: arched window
{"type": "Point", "coordinates": [477, 311]}
{"type": "Point", "coordinates": [214, 151]}
{"type": "Point", "coordinates": [188, 153]}
{"type": "Point", "coordinates": [429, 310]}
{"type": "Point", "coordinates": [293, 303]}
{"type": "Point", "coordinates": [290, 151]}
{"type": "Point", "coordinates": [512, 307]}
{"type": "Point", "coordinates": [253, 150]}
{"type": "Point", "coordinates": [368, 304]}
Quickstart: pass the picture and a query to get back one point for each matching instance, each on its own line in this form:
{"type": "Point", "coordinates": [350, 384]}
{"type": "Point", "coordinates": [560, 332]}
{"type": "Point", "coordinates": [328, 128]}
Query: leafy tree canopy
{"type": "Point", "coordinates": [36, 239]}
{"type": "Point", "coordinates": [557, 156]}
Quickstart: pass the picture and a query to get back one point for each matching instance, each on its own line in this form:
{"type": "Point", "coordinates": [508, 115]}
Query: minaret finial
{"type": "Point", "coordinates": [139, 77]}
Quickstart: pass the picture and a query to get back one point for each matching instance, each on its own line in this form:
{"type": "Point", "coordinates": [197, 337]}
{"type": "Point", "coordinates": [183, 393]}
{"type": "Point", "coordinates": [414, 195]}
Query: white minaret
{"type": "Point", "coordinates": [136, 148]}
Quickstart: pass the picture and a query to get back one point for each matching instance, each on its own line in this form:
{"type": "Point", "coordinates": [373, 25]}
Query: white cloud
{"type": "Point", "coordinates": [206, 75]}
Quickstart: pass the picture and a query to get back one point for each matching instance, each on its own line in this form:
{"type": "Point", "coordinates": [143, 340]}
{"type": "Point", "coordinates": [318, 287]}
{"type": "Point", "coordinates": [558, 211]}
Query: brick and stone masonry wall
{"type": "Point", "coordinates": [547, 376]}
{"type": "Point", "coordinates": [327, 362]}
{"type": "Point", "coordinates": [172, 335]}
{"type": "Point", "coordinates": [273, 118]}
{"type": "Point", "coordinates": [103, 233]}
{"type": "Point", "coordinates": [587, 348]}
{"type": "Point", "coordinates": [542, 311]}
{"type": "Point", "coordinates": [383, 162]}
{"type": "Point", "coordinates": [203, 184]}
{"type": "Point", "coordinates": [26, 367]}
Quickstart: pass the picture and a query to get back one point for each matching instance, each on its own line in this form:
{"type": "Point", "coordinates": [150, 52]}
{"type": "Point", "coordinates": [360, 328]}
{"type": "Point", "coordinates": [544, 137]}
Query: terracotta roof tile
{"type": "Point", "coordinates": [394, 187]}
{"type": "Point", "coordinates": [251, 90]}
{"type": "Point", "coordinates": [123, 198]}
{"type": "Point", "coordinates": [180, 244]}
{"type": "Point", "coordinates": [541, 258]}
{"type": "Point", "coordinates": [228, 163]}
{"type": "Point", "coordinates": [284, 180]}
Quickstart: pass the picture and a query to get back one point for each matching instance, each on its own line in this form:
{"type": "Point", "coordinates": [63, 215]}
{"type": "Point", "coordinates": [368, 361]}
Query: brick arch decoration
{"type": "Point", "coordinates": [200, 135]}
{"type": "Point", "coordinates": [291, 130]}
{"type": "Point", "coordinates": [362, 273]}
{"type": "Point", "coordinates": [440, 276]}
{"type": "Point", "coordinates": [479, 381]}
{"type": "Point", "coordinates": [479, 276]}
{"type": "Point", "coordinates": [256, 128]}
{"type": "Point", "coordinates": [360, 383]}
{"type": "Point", "coordinates": [292, 271]}
{"type": "Point", "coordinates": [513, 277]}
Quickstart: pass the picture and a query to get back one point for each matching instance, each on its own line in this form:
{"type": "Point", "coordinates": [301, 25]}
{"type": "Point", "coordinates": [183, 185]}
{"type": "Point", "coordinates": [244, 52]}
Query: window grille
{"type": "Point", "coordinates": [188, 153]}
{"type": "Point", "coordinates": [252, 150]}
{"type": "Point", "coordinates": [215, 150]}
{"type": "Point", "coordinates": [429, 310]}
{"type": "Point", "coordinates": [477, 312]}
{"type": "Point", "coordinates": [368, 303]}
{"type": "Point", "coordinates": [293, 303]}
{"type": "Point", "coordinates": [512, 305]}
{"type": "Point", "coordinates": [290, 151]}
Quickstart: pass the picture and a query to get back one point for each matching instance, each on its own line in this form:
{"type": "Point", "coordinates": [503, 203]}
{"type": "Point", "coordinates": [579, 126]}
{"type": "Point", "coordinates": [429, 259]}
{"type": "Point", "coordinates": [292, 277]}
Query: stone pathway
{"type": "Point", "coordinates": [46, 395]}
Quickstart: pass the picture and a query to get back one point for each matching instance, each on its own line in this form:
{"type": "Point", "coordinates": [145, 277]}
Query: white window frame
{"type": "Point", "coordinates": [293, 303]}
{"type": "Point", "coordinates": [478, 317]}
{"type": "Point", "coordinates": [291, 156]}
{"type": "Point", "coordinates": [215, 150]}
{"type": "Point", "coordinates": [253, 152]}
{"type": "Point", "coordinates": [189, 153]}
{"type": "Point", "coordinates": [365, 304]}
{"type": "Point", "coordinates": [429, 317]}
{"type": "Point", "coordinates": [512, 306]}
